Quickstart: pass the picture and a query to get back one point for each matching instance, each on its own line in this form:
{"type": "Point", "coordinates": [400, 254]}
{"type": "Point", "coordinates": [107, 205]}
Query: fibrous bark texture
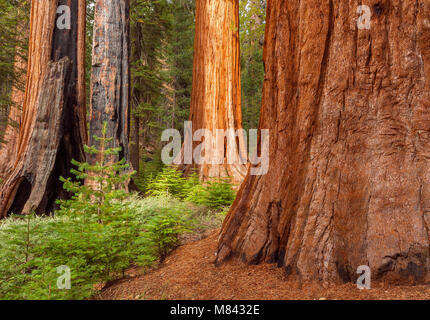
{"type": "Point", "coordinates": [110, 76]}
{"type": "Point", "coordinates": [8, 150]}
{"type": "Point", "coordinates": [39, 159]}
{"type": "Point", "coordinates": [51, 130]}
{"type": "Point", "coordinates": [215, 99]}
{"type": "Point", "coordinates": [348, 113]}
{"type": "Point", "coordinates": [138, 96]}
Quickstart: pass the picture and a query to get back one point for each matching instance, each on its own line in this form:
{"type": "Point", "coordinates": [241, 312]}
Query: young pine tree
{"type": "Point", "coordinates": [106, 185]}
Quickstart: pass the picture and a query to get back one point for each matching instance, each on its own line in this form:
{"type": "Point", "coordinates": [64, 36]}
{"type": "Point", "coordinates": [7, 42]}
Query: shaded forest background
{"type": "Point", "coordinates": [161, 60]}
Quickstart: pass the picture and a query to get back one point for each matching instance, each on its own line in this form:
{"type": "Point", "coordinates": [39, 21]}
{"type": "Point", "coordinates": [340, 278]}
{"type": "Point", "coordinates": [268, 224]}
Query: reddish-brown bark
{"type": "Point", "coordinates": [138, 96]}
{"type": "Point", "coordinates": [216, 98]}
{"type": "Point", "coordinates": [348, 113]}
{"type": "Point", "coordinates": [8, 150]}
{"type": "Point", "coordinates": [52, 118]}
{"type": "Point", "coordinates": [81, 89]}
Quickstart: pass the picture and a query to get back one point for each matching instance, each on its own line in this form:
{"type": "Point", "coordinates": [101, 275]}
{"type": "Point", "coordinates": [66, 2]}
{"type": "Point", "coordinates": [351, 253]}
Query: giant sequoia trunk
{"type": "Point", "coordinates": [215, 99]}
{"type": "Point", "coordinates": [9, 147]}
{"type": "Point", "coordinates": [349, 177]}
{"type": "Point", "coordinates": [110, 76]}
{"type": "Point", "coordinates": [52, 129]}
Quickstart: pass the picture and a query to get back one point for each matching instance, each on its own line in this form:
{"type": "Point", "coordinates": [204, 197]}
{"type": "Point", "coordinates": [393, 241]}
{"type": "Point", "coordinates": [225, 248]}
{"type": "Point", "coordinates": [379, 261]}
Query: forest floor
{"type": "Point", "coordinates": [190, 274]}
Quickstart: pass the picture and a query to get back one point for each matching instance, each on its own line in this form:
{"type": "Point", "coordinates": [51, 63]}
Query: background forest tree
{"type": "Point", "coordinates": [252, 25]}
{"type": "Point", "coordinates": [161, 64]}
{"type": "Point", "coordinates": [52, 175]}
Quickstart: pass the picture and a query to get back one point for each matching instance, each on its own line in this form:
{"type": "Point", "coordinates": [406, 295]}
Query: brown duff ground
{"type": "Point", "coordinates": [189, 274]}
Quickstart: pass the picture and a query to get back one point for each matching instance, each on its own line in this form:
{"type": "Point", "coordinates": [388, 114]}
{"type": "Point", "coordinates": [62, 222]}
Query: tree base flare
{"type": "Point", "coordinates": [31, 183]}
{"type": "Point", "coordinates": [348, 183]}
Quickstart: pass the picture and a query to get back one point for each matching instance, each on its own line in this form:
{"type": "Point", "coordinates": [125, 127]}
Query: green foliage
{"type": "Point", "coordinates": [179, 53]}
{"type": "Point", "coordinates": [148, 24]}
{"type": "Point", "coordinates": [168, 181]}
{"type": "Point", "coordinates": [106, 183]}
{"type": "Point", "coordinates": [252, 25]}
{"type": "Point", "coordinates": [214, 194]}
{"type": "Point", "coordinates": [29, 271]}
{"type": "Point", "coordinates": [161, 234]}
{"type": "Point", "coordinates": [98, 234]}
{"type": "Point", "coordinates": [162, 46]}
{"type": "Point", "coordinates": [32, 248]}
{"type": "Point", "coordinates": [101, 231]}
{"type": "Point", "coordinates": [150, 166]}
{"type": "Point", "coordinates": [220, 194]}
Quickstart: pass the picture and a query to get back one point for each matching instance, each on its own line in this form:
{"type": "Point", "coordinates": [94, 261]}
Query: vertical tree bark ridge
{"type": "Point", "coordinates": [71, 43]}
{"type": "Point", "coordinates": [136, 54]}
{"type": "Point", "coordinates": [81, 90]}
{"type": "Point", "coordinates": [42, 20]}
{"type": "Point", "coordinates": [9, 149]}
{"type": "Point", "coordinates": [216, 96]}
{"type": "Point", "coordinates": [349, 127]}
{"type": "Point", "coordinates": [26, 187]}
{"type": "Point", "coordinates": [110, 76]}
{"type": "Point", "coordinates": [33, 173]}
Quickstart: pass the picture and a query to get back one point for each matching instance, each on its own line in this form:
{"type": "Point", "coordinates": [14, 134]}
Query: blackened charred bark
{"type": "Point", "coordinates": [110, 76]}
{"type": "Point", "coordinates": [35, 180]}
{"type": "Point", "coordinates": [50, 134]}
{"type": "Point", "coordinates": [66, 44]}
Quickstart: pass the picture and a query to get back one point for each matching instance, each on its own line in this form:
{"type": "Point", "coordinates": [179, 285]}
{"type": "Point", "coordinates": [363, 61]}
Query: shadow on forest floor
{"type": "Point", "coordinates": [189, 274]}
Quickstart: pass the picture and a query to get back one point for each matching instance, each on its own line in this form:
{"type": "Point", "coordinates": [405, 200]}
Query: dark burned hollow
{"type": "Point", "coordinates": [22, 195]}
{"type": "Point", "coordinates": [378, 9]}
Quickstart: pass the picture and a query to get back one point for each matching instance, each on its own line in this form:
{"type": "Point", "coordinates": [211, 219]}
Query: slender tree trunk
{"type": "Point", "coordinates": [110, 74]}
{"type": "Point", "coordinates": [215, 99]}
{"type": "Point", "coordinates": [81, 89]}
{"type": "Point", "coordinates": [135, 150]}
{"type": "Point", "coordinates": [349, 176]}
{"type": "Point", "coordinates": [52, 118]}
{"type": "Point", "coordinates": [137, 98]}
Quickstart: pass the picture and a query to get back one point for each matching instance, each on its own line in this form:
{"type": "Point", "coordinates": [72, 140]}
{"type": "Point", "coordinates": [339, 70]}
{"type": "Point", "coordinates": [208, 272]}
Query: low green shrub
{"type": "Point", "coordinates": [167, 182]}
{"type": "Point", "coordinates": [97, 234]}
{"type": "Point", "coordinates": [214, 194]}
{"type": "Point", "coordinates": [32, 248]}
{"type": "Point", "coordinates": [161, 234]}
{"type": "Point", "coordinates": [28, 270]}
{"type": "Point", "coordinates": [150, 165]}
{"type": "Point", "coordinates": [102, 230]}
